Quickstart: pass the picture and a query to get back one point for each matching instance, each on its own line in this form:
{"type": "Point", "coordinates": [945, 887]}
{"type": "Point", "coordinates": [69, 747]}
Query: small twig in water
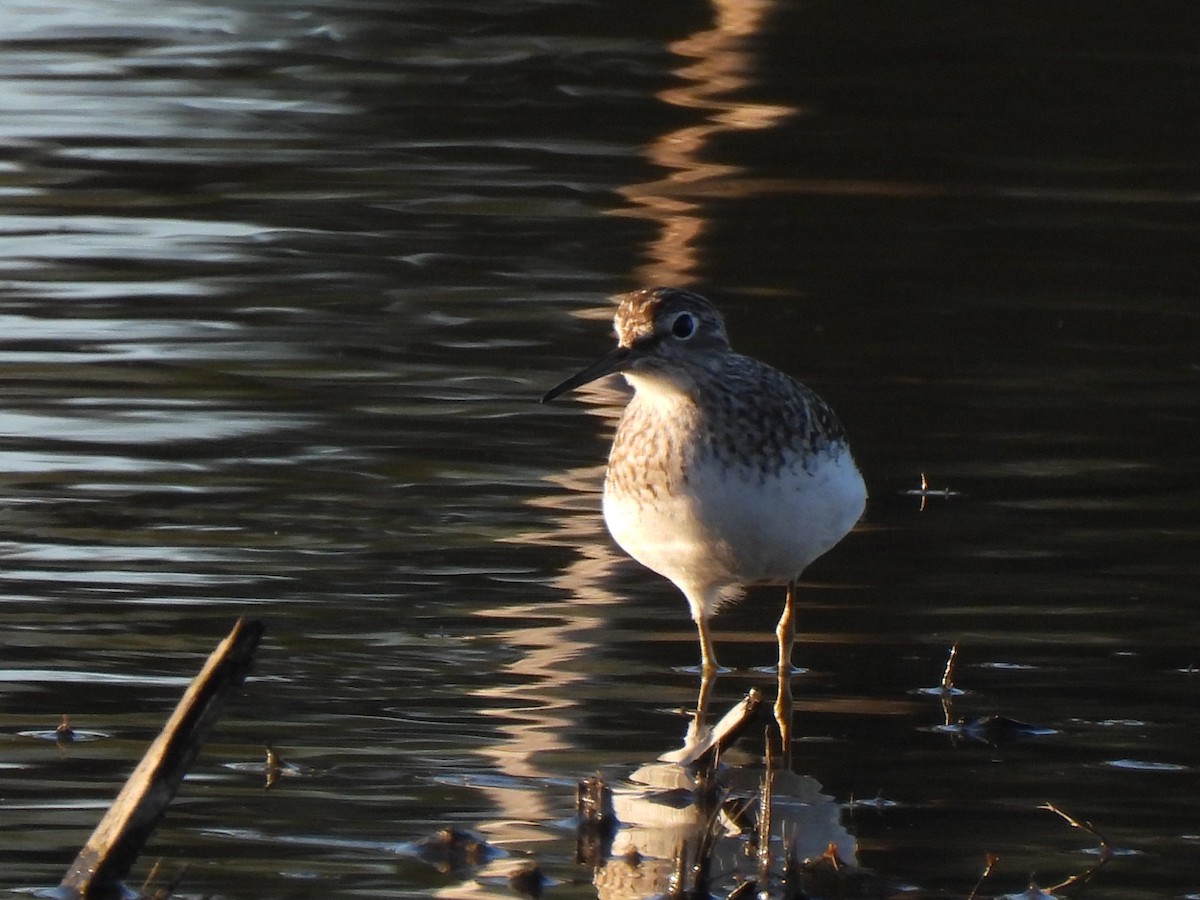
{"type": "Point", "coordinates": [1105, 849]}
{"type": "Point", "coordinates": [167, 890]}
{"type": "Point", "coordinates": [925, 492]}
{"type": "Point", "coordinates": [989, 863]}
{"type": "Point", "coordinates": [948, 675]}
{"type": "Point", "coordinates": [150, 876]}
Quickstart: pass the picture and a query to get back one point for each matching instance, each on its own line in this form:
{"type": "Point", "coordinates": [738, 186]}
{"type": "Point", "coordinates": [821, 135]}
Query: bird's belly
{"type": "Point", "coordinates": [725, 527]}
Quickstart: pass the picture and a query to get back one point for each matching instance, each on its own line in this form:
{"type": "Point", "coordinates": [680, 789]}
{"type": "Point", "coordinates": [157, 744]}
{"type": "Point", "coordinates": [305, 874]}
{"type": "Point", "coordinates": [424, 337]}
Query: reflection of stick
{"type": "Point", "coordinates": [1105, 849]}
{"type": "Point", "coordinates": [597, 821]}
{"type": "Point", "coordinates": [115, 844]}
{"type": "Point", "coordinates": [765, 807]}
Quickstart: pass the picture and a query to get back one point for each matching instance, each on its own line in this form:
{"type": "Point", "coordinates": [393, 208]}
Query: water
{"type": "Point", "coordinates": [279, 288]}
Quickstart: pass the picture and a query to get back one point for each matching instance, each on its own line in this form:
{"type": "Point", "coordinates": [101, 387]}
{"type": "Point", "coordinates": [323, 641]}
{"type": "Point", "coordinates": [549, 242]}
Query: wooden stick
{"type": "Point", "coordinates": [111, 851]}
{"type": "Point", "coordinates": [723, 734]}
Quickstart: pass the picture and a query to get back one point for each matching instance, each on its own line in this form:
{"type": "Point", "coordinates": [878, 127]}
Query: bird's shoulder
{"type": "Point", "coordinates": [761, 403]}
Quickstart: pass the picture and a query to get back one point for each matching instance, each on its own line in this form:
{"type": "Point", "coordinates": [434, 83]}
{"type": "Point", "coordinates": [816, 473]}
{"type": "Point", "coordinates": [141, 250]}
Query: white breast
{"type": "Point", "coordinates": [726, 528]}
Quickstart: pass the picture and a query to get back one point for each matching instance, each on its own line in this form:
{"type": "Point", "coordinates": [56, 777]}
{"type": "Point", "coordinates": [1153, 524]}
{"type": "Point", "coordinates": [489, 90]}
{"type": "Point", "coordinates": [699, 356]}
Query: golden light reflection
{"type": "Point", "coordinates": [540, 689]}
{"type": "Point", "coordinates": [718, 63]}
{"type": "Point", "coordinates": [536, 698]}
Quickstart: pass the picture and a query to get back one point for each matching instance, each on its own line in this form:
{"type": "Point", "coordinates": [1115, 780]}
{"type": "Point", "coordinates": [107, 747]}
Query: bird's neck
{"type": "Point", "coordinates": [664, 390]}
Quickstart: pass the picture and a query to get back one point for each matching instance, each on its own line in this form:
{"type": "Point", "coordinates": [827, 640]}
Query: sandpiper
{"type": "Point", "coordinates": [724, 472]}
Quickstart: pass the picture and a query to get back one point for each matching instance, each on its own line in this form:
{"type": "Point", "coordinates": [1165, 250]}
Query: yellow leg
{"type": "Point", "coordinates": [707, 679]}
{"type": "Point", "coordinates": [785, 633]}
{"type": "Point", "coordinates": [708, 654]}
{"type": "Point", "coordinates": [708, 670]}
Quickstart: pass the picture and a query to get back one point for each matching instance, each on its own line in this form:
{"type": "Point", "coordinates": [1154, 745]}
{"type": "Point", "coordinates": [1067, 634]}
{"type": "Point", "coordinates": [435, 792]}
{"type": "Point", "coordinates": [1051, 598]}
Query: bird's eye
{"type": "Point", "coordinates": [684, 326]}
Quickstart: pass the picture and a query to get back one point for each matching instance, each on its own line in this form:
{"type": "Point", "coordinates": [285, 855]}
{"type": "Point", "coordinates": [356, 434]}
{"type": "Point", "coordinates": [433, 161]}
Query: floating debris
{"type": "Point", "coordinates": [451, 849]}
{"type": "Point", "coordinates": [925, 492]}
{"type": "Point", "coordinates": [278, 767]}
{"type": "Point", "coordinates": [994, 730]}
{"type": "Point", "coordinates": [528, 881]}
{"type": "Point", "coordinates": [597, 820]}
{"type": "Point", "coordinates": [65, 733]}
{"type": "Point", "coordinates": [1142, 765]}
{"type": "Point", "coordinates": [878, 802]}
{"type": "Point", "coordinates": [273, 767]}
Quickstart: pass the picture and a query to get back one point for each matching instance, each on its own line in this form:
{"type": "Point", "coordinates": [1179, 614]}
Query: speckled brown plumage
{"type": "Point", "coordinates": [761, 424]}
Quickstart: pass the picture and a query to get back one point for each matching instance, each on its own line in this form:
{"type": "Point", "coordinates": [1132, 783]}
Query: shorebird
{"type": "Point", "coordinates": [723, 472]}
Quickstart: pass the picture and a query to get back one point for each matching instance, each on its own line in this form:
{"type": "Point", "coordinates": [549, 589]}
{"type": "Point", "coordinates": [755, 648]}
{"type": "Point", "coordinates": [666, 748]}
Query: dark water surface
{"type": "Point", "coordinates": [279, 288]}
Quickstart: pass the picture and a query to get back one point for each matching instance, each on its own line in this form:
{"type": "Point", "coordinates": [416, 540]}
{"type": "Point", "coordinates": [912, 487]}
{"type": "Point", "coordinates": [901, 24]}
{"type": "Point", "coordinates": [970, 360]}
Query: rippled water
{"type": "Point", "coordinates": [279, 288]}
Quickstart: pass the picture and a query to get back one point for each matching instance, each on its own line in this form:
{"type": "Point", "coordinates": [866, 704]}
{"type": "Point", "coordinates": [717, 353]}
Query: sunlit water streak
{"type": "Point", "coordinates": [279, 287]}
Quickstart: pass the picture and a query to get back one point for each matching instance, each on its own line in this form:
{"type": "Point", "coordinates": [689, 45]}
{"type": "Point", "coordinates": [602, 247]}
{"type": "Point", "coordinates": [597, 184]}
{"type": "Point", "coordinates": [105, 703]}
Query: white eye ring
{"type": "Point", "coordinates": [684, 326]}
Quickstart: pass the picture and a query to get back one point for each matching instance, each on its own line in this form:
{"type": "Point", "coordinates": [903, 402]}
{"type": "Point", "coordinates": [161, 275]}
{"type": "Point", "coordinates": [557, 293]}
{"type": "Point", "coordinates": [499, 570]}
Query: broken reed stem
{"type": "Point", "coordinates": [948, 675]}
{"type": "Point", "coordinates": [109, 854]}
